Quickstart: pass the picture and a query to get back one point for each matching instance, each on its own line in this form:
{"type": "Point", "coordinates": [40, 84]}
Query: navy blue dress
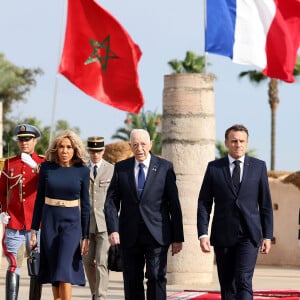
{"type": "Point", "coordinates": [62, 228]}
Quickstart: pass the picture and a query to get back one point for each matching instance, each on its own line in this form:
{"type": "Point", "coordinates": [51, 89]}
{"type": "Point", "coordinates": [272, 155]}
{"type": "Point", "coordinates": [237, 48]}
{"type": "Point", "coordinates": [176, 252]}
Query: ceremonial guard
{"type": "Point", "coordinates": [95, 262]}
{"type": "Point", "coordinates": [18, 186]}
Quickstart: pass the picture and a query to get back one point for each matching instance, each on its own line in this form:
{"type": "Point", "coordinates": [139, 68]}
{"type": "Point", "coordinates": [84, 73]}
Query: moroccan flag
{"type": "Point", "coordinates": [263, 33]}
{"type": "Point", "coordinates": [100, 58]}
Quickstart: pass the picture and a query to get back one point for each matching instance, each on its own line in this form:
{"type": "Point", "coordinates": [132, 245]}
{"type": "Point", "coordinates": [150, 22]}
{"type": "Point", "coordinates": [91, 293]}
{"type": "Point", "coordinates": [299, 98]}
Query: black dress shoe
{"type": "Point", "coordinates": [93, 297]}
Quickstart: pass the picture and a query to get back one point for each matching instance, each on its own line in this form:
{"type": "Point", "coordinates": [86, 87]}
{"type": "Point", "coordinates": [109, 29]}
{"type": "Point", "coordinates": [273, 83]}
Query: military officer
{"type": "Point", "coordinates": [95, 262]}
{"type": "Point", "coordinates": [18, 186]}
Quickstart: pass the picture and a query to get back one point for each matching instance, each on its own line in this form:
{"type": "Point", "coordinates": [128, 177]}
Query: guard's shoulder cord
{"type": "Point", "coordinates": [18, 177]}
{"type": "Point", "coordinates": [18, 181]}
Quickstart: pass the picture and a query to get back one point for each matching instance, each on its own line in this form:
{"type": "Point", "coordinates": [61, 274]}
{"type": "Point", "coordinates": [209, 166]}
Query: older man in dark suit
{"type": "Point", "coordinates": [238, 187]}
{"type": "Point", "coordinates": [143, 215]}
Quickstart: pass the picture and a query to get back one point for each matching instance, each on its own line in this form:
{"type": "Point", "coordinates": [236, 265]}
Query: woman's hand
{"type": "Point", "coordinates": [33, 240]}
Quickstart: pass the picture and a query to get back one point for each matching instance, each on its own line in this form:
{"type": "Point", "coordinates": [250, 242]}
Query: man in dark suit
{"type": "Point", "coordinates": [243, 217]}
{"type": "Point", "coordinates": [143, 215]}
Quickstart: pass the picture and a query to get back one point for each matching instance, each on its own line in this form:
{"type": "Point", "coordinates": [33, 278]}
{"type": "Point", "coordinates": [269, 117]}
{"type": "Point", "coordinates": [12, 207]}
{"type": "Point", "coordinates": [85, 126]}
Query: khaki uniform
{"type": "Point", "coordinates": [95, 262]}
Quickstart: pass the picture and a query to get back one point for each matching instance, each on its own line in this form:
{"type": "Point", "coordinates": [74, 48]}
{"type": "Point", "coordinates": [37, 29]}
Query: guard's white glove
{"type": "Point", "coordinates": [4, 218]}
{"type": "Point", "coordinates": [27, 159]}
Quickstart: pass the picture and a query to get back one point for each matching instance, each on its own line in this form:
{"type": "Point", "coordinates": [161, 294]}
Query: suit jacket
{"type": "Point", "coordinates": [159, 206]}
{"type": "Point", "coordinates": [252, 203]}
{"type": "Point", "coordinates": [98, 190]}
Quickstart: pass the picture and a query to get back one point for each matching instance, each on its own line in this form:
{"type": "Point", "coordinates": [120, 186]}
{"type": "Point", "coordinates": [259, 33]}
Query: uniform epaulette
{"type": "Point", "coordinates": [13, 156]}
{"type": "Point", "coordinates": [2, 160]}
{"type": "Point", "coordinates": [41, 156]}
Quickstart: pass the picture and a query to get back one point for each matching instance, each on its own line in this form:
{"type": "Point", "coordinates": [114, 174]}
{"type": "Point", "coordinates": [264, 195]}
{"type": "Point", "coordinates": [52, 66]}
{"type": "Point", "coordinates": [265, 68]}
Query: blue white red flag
{"type": "Point", "coordinates": [263, 33]}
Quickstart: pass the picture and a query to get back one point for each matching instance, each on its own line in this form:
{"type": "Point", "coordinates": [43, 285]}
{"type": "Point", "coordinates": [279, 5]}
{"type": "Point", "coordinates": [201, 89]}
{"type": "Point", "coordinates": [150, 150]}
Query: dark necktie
{"type": "Point", "coordinates": [141, 179]}
{"type": "Point", "coordinates": [236, 175]}
{"type": "Point", "coordinates": [95, 171]}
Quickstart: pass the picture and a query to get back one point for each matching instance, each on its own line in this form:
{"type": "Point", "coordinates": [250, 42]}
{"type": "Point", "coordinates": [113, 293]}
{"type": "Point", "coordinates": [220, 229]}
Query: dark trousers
{"type": "Point", "coordinates": [146, 251]}
{"type": "Point", "coordinates": [235, 267]}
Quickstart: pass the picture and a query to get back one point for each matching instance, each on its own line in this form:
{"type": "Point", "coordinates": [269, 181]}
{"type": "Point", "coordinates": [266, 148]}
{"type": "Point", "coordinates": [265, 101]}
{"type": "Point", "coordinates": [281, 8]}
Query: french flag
{"type": "Point", "coordinates": [263, 33]}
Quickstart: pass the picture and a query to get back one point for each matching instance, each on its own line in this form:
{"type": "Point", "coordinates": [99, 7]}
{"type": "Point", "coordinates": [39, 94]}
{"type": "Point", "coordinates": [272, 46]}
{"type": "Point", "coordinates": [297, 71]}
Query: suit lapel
{"type": "Point", "coordinates": [227, 175]}
{"type": "Point", "coordinates": [244, 176]}
{"type": "Point", "coordinates": [153, 168]}
{"type": "Point", "coordinates": [245, 170]}
{"type": "Point", "coordinates": [91, 172]}
{"type": "Point", "coordinates": [131, 178]}
{"type": "Point", "coordinates": [101, 170]}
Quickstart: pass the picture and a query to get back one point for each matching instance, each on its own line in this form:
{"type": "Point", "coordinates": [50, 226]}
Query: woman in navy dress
{"type": "Point", "coordinates": [62, 209]}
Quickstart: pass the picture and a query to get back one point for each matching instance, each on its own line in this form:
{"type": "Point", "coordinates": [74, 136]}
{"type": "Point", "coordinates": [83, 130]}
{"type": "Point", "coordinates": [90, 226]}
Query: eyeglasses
{"type": "Point", "coordinates": [137, 145]}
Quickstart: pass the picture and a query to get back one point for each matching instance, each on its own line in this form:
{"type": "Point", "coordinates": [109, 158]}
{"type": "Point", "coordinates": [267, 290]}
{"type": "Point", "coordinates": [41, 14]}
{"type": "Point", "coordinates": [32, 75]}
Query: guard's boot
{"type": "Point", "coordinates": [35, 290]}
{"type": "Point", "coordinates": [12, 285]}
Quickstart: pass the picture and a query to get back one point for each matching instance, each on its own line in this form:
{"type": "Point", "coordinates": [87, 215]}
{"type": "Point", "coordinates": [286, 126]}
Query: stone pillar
{"type": "Point", "coordinates": [188, 140]}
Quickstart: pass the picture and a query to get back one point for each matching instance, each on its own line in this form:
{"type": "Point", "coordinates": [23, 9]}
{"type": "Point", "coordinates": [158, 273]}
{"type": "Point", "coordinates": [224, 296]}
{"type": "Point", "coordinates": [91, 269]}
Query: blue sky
{"type": "Point", "coordinates": [31, 35]}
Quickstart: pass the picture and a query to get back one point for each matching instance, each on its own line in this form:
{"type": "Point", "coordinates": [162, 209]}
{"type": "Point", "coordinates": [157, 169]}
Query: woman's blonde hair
{"type": "Point", "coordinates": [79, 156]}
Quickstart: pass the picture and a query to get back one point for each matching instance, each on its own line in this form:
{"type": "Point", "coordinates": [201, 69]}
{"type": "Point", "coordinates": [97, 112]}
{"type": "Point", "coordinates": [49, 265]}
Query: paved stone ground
{"type": "Point", "coordinates": [265, 278]}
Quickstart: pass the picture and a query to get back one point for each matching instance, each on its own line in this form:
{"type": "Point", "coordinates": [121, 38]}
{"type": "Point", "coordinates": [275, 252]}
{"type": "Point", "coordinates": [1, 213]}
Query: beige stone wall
{"type": "Point", "coordinates": [286, 204]}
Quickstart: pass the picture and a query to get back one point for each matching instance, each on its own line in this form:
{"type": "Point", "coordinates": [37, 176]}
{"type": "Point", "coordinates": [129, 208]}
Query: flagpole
{"type": "Point", "coordinates": [63, 21]}
{"type": "Point", "coordinates": [205, 24]}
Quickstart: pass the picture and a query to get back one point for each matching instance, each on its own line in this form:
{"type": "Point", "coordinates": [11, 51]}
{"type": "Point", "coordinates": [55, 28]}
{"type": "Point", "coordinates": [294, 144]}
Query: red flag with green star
{"type": "Point", "coordinates": [100, 58]}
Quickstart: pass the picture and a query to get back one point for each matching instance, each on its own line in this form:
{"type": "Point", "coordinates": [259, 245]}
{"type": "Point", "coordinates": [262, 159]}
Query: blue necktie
{"type": "Point", "coordinates": [141, 179]}
{"type": "Point", "coordinates": [236, 175]}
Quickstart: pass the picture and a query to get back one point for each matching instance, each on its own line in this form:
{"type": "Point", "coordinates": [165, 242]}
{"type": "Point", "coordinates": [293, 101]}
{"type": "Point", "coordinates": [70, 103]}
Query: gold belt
{"type": "Point", "coordinates": [62, 203]}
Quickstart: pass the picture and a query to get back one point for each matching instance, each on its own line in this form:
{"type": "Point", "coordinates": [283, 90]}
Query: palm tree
{"type": "Point", "coordinates": [192, 63]}
{"type": "Point", "coordinates": [257, 77]}
{"type": "Point", "coordinates": [151, 121]}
